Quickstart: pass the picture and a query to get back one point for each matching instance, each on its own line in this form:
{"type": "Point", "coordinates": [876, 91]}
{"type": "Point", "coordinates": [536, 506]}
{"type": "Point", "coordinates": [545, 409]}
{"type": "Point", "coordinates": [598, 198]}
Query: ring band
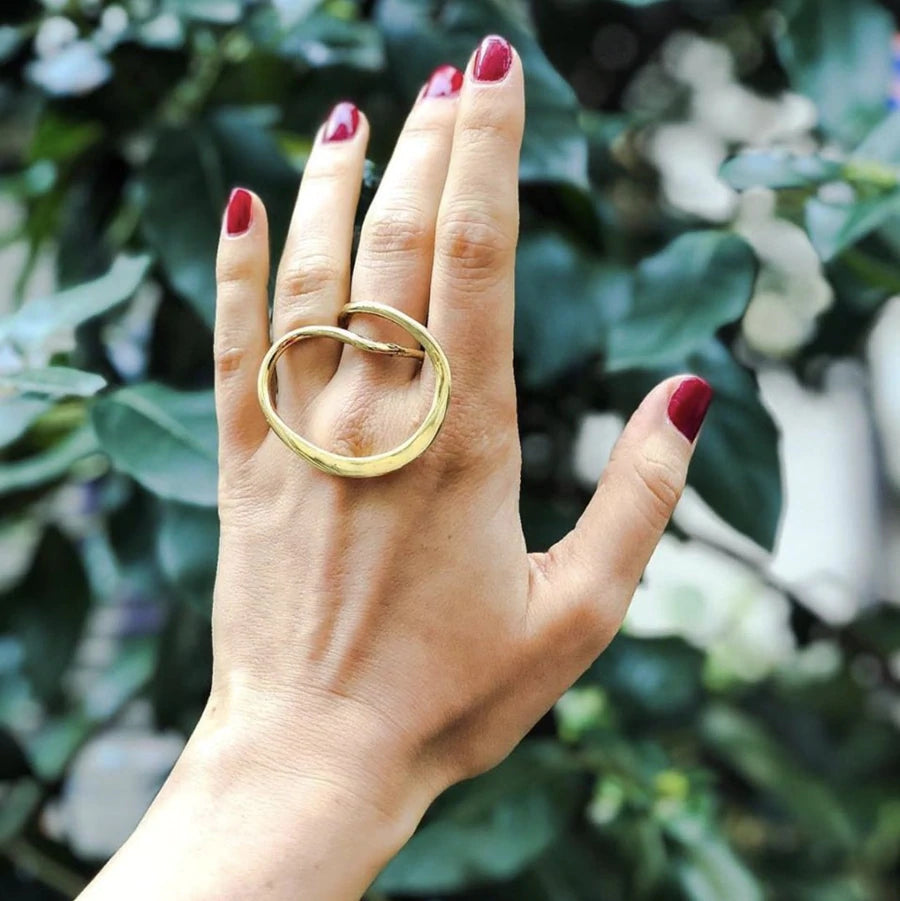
{"type": "Point", "coordinates": [375, 464]}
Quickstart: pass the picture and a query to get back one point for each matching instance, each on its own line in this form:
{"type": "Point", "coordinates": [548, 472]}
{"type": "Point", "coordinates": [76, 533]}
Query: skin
{"type": "Point", "coordinates": [378, 640]}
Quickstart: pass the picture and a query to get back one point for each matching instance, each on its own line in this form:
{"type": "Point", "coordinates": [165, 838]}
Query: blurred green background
{"type": "Point", "coordinates": [709, 185]}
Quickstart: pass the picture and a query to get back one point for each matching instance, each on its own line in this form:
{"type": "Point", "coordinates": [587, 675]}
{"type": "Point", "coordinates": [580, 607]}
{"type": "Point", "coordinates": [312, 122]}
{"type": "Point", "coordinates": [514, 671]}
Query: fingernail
{"type": "Point", "coordinates": [445, 81]}
{"type": "Point", "coordinates": [493, 59]}
{"type": "Point", "coordinates": [238, 212]}
{"type": "Point", "coordinates": [342, 123]}
{"type": "Point", "coordinates": [688, 406]}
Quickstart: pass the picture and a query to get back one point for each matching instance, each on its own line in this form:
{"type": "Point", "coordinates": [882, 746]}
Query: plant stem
{"type": "Point", "coordinates": [44, 868]}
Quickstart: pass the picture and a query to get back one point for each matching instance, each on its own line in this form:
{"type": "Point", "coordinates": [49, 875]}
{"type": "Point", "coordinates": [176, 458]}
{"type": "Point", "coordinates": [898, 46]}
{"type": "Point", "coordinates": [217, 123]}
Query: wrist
{"type": "Point", "coordinates": [240, 817]}
{"type": "Point", "coordinates": [327, 777]}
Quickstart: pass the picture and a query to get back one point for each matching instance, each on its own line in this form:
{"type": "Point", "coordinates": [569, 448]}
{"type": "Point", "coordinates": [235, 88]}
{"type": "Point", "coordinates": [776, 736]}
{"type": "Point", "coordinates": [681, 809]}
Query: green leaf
{"type": "Point", "coordinates": [47, 613]}
{"type": "Point", "coordinates": [488, 829]}
{"type": "Point", "coordinates": [683, 295]}
{"type": "Point", "coordinates": [49, 465]}
{"type": "Point", "coordinates": [129, 670]}
{"type": "Point", "coordinates": [17, 414]}
{"type": "Point", "coordinates": [291, 12]}
{"type": "Point", "coordinates": [52, 747]}
{"type": "Point", "coordinates": [566, 299]}
{"type": "Point", "coordinates": [39, 321]}
{"type": "Point", "coordinates": [751, 751]}
{"type": "Point", "coordinates": [188, 549]}
{"type": "Point", "coordinates": [220, 12]}
{"type": "Point", "coordinates": [554, 148]}
{"type": "Point", "coordinates": [20, 802]}
{"type": "Point", "coordinates": [735, 468]}
{"type": "Point", "coordinates": [708, 870]}
{"type": "Point", "coordinates": [54, 381]}
{"type": "Point", "coordinates": [164, 439]}
{"type": "Point", "coordinates": [321, 40]}
{"type": "Point", "coordinates": [834, 227]}
{"type": "Point", "coordinates": [777, 169]}
{"type": "Point", "coordinates": [882, 144]}
{"type": "Point", "coordinates": [192, 170]}
{"type": "Point", "coordinates": [839, 55]}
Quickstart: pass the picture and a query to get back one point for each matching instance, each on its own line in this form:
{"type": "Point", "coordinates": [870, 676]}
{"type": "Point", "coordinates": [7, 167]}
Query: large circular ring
{"type": "Point", "coordinates": [376, 464]}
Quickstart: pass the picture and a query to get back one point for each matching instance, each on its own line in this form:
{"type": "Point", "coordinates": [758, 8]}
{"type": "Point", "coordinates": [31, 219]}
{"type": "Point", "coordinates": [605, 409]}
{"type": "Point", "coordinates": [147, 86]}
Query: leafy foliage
{"type": "Point", "coordinates": [120, 140]}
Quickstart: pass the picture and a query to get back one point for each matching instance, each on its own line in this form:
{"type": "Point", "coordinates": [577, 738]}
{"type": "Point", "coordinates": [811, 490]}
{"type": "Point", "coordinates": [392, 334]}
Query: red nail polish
{"type": "Point", "coordinates": [238, 212]}
{"type": "Point", "coordinates": [445, 81]}
{"type": "Point", "coordinates": [688, 406]}
{"type": "Point", "coordinates": [493, 59]}
{"type": "Point", "coordinates": [342, 123]}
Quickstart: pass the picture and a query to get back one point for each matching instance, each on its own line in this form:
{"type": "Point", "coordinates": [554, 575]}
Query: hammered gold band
{"type": "Point", "coordinates": [376, 464]}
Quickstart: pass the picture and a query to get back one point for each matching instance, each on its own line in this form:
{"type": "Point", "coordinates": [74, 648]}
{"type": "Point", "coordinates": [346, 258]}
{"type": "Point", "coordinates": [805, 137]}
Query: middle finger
{"type": "Point", "coordinates": [396, 249]}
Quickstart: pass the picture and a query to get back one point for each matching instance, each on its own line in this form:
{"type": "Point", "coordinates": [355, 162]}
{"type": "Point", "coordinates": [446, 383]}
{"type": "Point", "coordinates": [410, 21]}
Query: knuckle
{"type": "Point", "coordinates": [660, 485]}
{"type": "Point", "coordinates": [472, 243]}
{"type": "Point", "coordinates": [474, 443]}
{"type": "Point", "coordinates": [309, 276]}
{"type": "Point", "coordinates": [234, 270]}
{"type": "Point", "coordinates": [328, 174]}
{"type": "Point", "coordinates": [486, 129]}
{"type": "Point", "coordinates": [349, 425]}
{"type": "Point", "coordinates": [397, 231]}
{"type": "Point", "coordinates": [228, 358]}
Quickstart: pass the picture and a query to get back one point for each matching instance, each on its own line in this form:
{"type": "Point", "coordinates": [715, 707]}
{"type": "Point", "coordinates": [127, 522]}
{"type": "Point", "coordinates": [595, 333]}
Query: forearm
{"type": "Point", "coordinates": [227, 827]}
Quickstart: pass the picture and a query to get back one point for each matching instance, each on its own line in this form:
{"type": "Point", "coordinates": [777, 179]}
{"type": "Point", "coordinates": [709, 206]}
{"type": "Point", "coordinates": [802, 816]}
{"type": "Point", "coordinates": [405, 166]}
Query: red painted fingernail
{"type": "Point", "coordinates": [493, 59]}
{"type": "Point", "coordinates": [238, 212]}
{"type": "Point", "coordinates": [445, 81]}
{"type": "Point", "coordinates": [342, 123]}
{"type": "Point", "coordinates": [688, 406]}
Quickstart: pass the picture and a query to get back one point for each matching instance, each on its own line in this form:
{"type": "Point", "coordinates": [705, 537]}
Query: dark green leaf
{"type": "Point", "coordinates": [746, 746]}
{"type": "Point", "coordinates": [192, 170]}
{"type": "Point", "coordinates": [835, 227]}
{"type": "Point", "coordinates": [164, 439]}
{"type": "Point", "coordinates": [683, 295]}
{"type": "Point", "coordinates": [54, 381]}
{"type": "Point", "coordinates": [571, 870]}
{"type": "Point", "coordinates": [736, 467]}
{"type": "Point", "coordinates": [650, 678]}
{"type": "Point", "coordinates": [47, 612]}
{"type": "Point", "coordinates": [839, 55]}
{"type": "Point", "coordinates": [490, 828]}
{"type": "Point", "coordinates": [566, 299]}
{"type": "Point", "coordinates": [49, 465]}
{"type": "Point", "coordinates": [777, 169]}
{"type": "Point", "coordinates": [41, 320]}
{"type": "Point", "coordinates": [418, 34]}
{"type": "Point", "coordinates": [188, 550]}
{"type": "Point", "coordinates": [10, 41]}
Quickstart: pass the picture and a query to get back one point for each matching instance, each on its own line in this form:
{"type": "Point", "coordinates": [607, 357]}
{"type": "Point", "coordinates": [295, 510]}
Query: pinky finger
{"type": "Point", "coordinates": [242, 323]}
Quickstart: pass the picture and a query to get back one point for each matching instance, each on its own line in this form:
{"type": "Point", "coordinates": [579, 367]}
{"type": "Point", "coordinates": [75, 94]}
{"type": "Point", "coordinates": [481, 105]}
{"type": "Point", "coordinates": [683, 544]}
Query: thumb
{"type": "Point", "coordinates": [593, 572]}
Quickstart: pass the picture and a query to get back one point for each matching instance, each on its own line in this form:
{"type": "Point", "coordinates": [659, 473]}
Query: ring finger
{"type": "Point", "coordinates": [396, 250]}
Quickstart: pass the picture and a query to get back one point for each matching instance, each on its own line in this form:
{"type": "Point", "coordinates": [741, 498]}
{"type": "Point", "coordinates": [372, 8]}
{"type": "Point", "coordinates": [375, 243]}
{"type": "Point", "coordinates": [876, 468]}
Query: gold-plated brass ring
{"type": "Point", "coordinates": [375, 464]}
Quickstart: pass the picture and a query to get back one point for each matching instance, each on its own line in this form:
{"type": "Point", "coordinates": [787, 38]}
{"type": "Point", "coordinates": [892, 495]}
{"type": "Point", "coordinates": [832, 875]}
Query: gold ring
{"type": "Point", "coordinates": [376, 464]}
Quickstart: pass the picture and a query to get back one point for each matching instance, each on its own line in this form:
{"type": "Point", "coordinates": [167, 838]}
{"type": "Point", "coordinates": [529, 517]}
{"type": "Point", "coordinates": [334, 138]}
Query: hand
{"type": "Point", "coordinates": [377, 640]}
